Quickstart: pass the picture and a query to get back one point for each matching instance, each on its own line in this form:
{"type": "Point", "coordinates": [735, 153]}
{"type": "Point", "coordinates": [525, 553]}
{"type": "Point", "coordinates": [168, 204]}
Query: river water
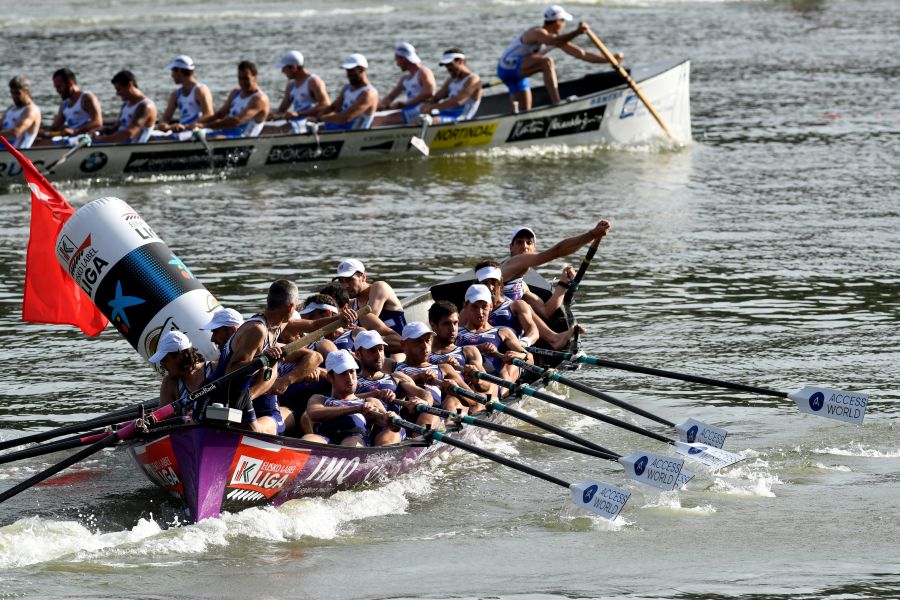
{"type": "Point", "coordinates": [765, 253]}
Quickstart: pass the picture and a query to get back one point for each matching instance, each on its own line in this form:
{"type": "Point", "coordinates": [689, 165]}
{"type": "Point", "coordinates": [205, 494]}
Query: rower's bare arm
{"type": "Point", "coordinates": [318, 412]}
{"type": "Point", "coordinates": [320, 93]}
{"type": "Point", "coordinates": [366, 101]}
{"type": "Point", "coordinates": [31, 115]}
{"type": "Point", "coordinates": [517, 265]}
{"type": "Point", "coordinates": [58, 120]}
{"type": "Point", "coordinates": [204, 99]}
{"type": "Point", "coordinates": [281, 111]}
{"type": "Point", "coordinates": [525, 315]}
{"type": "Point", "coordinates": [429, 85]}
{"type": "Point", "coordinates": [387, 100]}
{"type": "Point", "coordinates": [245, 344]}
{"type": "Point", "coordinates": [220, 115]}
{"type": "Point", "coordinates": [166, 118]}
{"type": "Point", "coordinates": [167, 391]}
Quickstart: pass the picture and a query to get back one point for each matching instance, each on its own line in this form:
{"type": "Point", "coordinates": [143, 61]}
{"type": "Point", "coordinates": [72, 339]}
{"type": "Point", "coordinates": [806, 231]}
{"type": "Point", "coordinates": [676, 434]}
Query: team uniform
{"type": "Point", "coordinates": [464, 111]}
{"type": "Point", "coordinates": [349, 96]}
{"type": "Point", "coordinates": [385, 382]}
{"type": "Point", "coordinates": [12, 119]}
{"type": "Point", "coordinates": [301, 101]}
{"type": "Point", "coordinates": [296, 397]}
{"type": "Point", "coordinates": [74, 117]}
{"type": "Point", "coordinates": [395, 319]}
{"type": "Point", "coordinates": [456, 354]}
{"type": "Point", "coordinates": [336, 430]}
{"type": "Point", "coordinates": [188, 107]}
{"type": "Point", "coordinates": [126, 116]}
{"type": "Point", "coordinates": [412, 371]}
{"type": "Point", "coordinates": [492, 335]}
{"type": "Point", "coordinates": [514, 289]}
{"type": "Point", "coordinates": [510, 63]}
{"type": "Point", "coordinates": [412, 85]}
{"type": "Point", "coordinates": [251, 128]}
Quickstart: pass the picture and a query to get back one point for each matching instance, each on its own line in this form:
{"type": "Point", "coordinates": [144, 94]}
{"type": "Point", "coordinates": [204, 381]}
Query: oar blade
{"type": "Point", "coordinates": [712, 457]}
{"type": "Point", "coordinates": [683, 478]}
{"type": "Point", "coordinates": [599, 498]}
{"type": "Point", "coordinates": [849, 407]}
{"type": "Point", "coordinates": [692, 431]}
{"type": "Point", "coordinates": [420, 145]}
{"type": "Point", "coordinates": [651, 469]}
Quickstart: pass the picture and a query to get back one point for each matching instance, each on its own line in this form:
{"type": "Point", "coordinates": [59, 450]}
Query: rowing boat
{"type": "Point", "coordinates": [212, 468]}
{"type": "Point", "coordinates": [599, 108]}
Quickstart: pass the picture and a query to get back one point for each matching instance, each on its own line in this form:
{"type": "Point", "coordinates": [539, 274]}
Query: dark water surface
{"type": "Point", "coordinates": [766, 252]}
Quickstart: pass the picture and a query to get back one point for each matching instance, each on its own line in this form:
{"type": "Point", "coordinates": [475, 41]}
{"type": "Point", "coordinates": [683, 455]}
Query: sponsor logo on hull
{"type": "Point", "coordinates": [461, 136]}
{"type": "Point", "coordinates": [158, 461]}
{"type": "Point", "coordinates": [295, 153]}
{"type": "Point", "coordinates": [94, 162]}
{"type": "Point", "coordinates": [187, 160]}
{"type": "Point", "coordinates": [566, 124]}
{"type": "Point", "coordinates": [261, 470]}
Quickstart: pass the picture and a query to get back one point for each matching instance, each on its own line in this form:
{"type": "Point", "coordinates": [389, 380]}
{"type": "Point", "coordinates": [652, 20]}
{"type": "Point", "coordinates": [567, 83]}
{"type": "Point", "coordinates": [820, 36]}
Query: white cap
{"type": "Point", "coordinates": [171, 341]}
{"type": "Point", "coordinates": [557, 13]}
{"type": "Point", "coordinates": [291, 58]}
{"type": "Point", "coordinates": [415, 330]}
{"type": "Point", "coordinates": [488, 272]}
{"type": "Point", "coordinates": [478, 292]}
{"type": "Point", "coordinates": [355, 60]}
{"type": "Point", "coordinates": [449, 57]}
{"type": "Point", "coordinates": [182, 61]}
{"type": "Point", "coordinates": [519, 230]}
{"type": "Point", "coordinates": [348, 267]}
{"type": "Point", "coordinates": [368, 340]}
{"type": "Point", "coordinates": [408, 52]}
{"type": "Point", "coordinates": [317, 306]}
{"type": "Point", "coordinates": [227, 317]}
{"type": "Point", "coordinates": [340, 361]}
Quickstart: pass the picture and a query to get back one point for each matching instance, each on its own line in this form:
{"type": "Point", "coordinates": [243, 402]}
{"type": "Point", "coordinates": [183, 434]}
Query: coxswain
{"type": "Point", "coordinates": [526, 55]}
{"type": "Point", "coordinates": [387, 316]}
{"type": "Point", "coordinates": [22, 119]}
{"type": "Point", "coordinates": [138, 114]}
{"type": "Point", "coordinates": [245, 111]}
{"type": "Point", "coordinates": [416, 85]}
{"type": "Point", "coordinates": [434, 378]}
{"type": "Point", "coordinates": [304, 96]}
{"type": "Point", "coordinates": [524, 255]}
{"type": "Point", "coordinates": [355, 106]}
{"type": "Point", "coordinates": [497, 344]}
{"type": "Point", "coordinates": [460, 95]}
{"type": "Point", "coordinates": [79, 112]}
{"type": "Point", "coordinates": [344, 418]}
{"type": "Point", "coordinates": [183, 367]}
{"type": "Point", "coordinates": [190, 102]}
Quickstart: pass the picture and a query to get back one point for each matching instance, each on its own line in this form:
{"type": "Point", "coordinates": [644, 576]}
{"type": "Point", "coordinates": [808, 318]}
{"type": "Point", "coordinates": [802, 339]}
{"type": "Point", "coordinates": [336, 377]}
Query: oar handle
{"type": "Point", "coordinates": [582, 269]}
{"type": "Point", "coordinates": [624, 74]}
{"type": "Point", "coordinates": [313, 336]}
{"type": "Point", "coordinates": [441, 437]}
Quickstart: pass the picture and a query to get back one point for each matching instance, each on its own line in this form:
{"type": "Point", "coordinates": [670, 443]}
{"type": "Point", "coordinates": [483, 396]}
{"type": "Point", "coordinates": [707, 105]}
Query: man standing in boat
{"type": "Point", "coordinates": [355, 106]}
{"type": "Point", "coordinates": [138, 114]}
{"type": "Point", "coordinates": [22, 120]}
{"type": "Point", "coordinates": [304, 96]}
{"type": "Point", "coordinates": [191, 99]}
{"type": "Point", "coordinates": [460, 95]}
{"type": "Point", "coordinates": [524, 255]}
{"type": "Point", "coordinates": [417, 85]}
{"type": "Point", "coordinates": [79, 111]}
{"type": "Point", "coordinates": [245, 111]}
{"type": "Point", "coordinates": [387, 316]}
{"type": "Point", "coordinates": [527, 55]}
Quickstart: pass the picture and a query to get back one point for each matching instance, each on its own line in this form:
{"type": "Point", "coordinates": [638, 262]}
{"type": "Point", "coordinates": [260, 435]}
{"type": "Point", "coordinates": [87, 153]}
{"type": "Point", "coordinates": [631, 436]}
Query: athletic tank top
{"type": "Point", "coordinates": [516, 50]}
{"type": "Point", "coordinates": [184, 392]}
{"type": "Point", "coordinates": [188, 107]}
{"type": "Point", "coordinates": [338, 429]}
{"type": "Point", "coordinates": [395, 319]}
{"type": "Point", "coordinates": [514, 289]}
{"type": "Point", "coordinates": [456, 353]}
{"type": "Point", "coordinates": [301, 98]}
{"type": "Point", "coordinates": [13, 118]}
{"type": "Point", "coordinates": [434, 390]}
{"type": "Point", "coordinates": [503, 316]}
{"type": "Point", "coordinates": [251, 128]}
{"type": "Point", "coordinates": [412, 84]}
{"type": "Point", "coordinates": [470, 106]}
{"type": "Point", "coordinates": [492, 335]}
{"type": "Point", "coordinates": [348, 97]}
{"type": "Point", "coordinates": [75, 116]}
{"type": "Point", "coordinates": [126, 115]}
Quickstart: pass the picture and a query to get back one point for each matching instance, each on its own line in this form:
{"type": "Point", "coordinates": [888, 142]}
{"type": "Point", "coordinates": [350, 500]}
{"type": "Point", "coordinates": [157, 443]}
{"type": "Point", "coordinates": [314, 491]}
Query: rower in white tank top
{"type": "Point", "coordinates": [349, 96]}
{"type": "Point", "coordinates": [126, 116]}
{"type": "Point", "coordinates": [12, 120]}
{"type": "Point", "coordinates": [252, 127]}
{"type": "Point", "coordinates": [74, 114]}
{"type": "Point", "coordinates": [188, 108]}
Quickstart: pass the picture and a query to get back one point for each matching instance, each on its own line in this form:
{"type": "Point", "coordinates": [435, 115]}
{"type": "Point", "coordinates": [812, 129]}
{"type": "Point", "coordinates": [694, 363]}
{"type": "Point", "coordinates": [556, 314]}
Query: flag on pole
{"type": "Point", "coordinates": [51, 295]}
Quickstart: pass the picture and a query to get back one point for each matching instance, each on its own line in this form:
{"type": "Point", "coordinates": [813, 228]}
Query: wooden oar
{"type": "Point", "coordinates": [841, 405]}
{"type": "Point", "coordinates": [129, 429]}
{"type": "Point", "coordinates": [598, 497]}
{"type": "Point", "coordinates": [624, 74]}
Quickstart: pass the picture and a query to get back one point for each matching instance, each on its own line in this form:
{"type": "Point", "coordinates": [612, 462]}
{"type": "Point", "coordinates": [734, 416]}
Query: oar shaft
{"type": "Point", "coordinates": [611, 364]}
{"type": "Point", "coordinates": [582, 269]}
{"type": "Point", "coordinates": [441, 437]}
{"type": "Point", "coordinates": [586, 389]}
{"type": "Point", "coordinates": [522, 416]}
{"type": "Point", "coordinates": [105, 442]}
{"type": "Point", "coordinates": [575, 408]}
{"type": "Point", "coordinates": [51, 447]}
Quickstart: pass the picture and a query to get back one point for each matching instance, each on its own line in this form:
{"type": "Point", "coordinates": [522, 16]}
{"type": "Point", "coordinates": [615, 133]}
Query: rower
{"type": "Point", "coordinates": [22, 119]}
{"type": "Point", "coordinates": [475, 330]}
{"type": "Point", "coordinates": [192, 99]}
{"type": "Point", "coordinates": [524, 255]}
{"type": "Point", "coordinates": [322, 306]}
{"type": "Point", "coordinates": [245, 111]}
{"type": "Point", "coordinates": [517, 314]}
{"type": "Point", "coordinates": [222, 326]}
{"type": "Point", "coordinates": [387, 316]}
{"type": "Point", "coordinates": [355, 107]}
{"type": "Point", "coordinates": [183, 367]}
{"type": "Point", "coordinates": [443, 317]}
{"type": "Point", "coordinates": [344, 418]}
{"type": "Point", "coordinates": [526, 55]}
{"type": "Point", "coordinates": [304, 96]}
{"type": "Point", "coordinates": [460, 95]}
{"type": "Point", "coordinates": [138, 114]}
{"type": "Point", "coordinates": [377, 373]}
{"type": "Point", "coordinates": [79, 112]}
{"type": "Point", "coordinates": [417, 85]}
{"type": "Point", "coordinates": [434, 378]}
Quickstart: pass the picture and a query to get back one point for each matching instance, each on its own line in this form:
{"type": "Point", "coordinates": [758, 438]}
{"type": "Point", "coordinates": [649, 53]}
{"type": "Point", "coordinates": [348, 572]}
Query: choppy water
{"type": "Point", "coordinates": [765, 253]}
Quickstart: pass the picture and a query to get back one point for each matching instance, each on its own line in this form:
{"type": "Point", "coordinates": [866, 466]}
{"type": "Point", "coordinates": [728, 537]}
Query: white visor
{"type": "Point", "coordinates": [488, 272]}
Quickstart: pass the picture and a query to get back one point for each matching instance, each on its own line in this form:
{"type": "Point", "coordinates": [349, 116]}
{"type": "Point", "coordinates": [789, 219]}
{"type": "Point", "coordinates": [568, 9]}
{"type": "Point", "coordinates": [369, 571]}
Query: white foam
{"type": "Point", "coordinates": [841, 468]}
{"type": "Point", "coordinates": [747, 479]}
{"type": "Point", "coordinates": [858, 449]}
{"type": "Point", "coordinates": [672, 501]}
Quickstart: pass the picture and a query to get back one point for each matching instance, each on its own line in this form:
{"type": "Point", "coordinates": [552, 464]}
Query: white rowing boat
{"type": "Point", "coordinates": [598, 109]}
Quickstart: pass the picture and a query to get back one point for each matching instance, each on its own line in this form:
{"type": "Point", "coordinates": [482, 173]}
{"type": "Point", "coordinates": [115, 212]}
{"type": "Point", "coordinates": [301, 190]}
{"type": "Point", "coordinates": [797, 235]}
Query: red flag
{"type": "Point", "coordinates": [51, 296]}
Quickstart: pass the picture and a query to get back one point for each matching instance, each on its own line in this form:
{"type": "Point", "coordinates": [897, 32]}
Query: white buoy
{"type": "Point", "coordinates": [133, 277]}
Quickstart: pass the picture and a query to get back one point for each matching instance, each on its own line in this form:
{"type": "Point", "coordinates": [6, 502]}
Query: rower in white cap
{"type": "Point", "coordinates": [387, 316]}
{"type": "Point", "coordinates": [222, 326]}
{"type": "Point", "coordinates": [460, 95]}
{"type": "Point", "coordinates": [183, 366]}
{"type": "Point", "coordinates": [417, 85]}
{"type": "Point", "coordinates": [355, 107]}
{"type": "Point", "coordinates": [304, 96]}
{"type": "Point", "coordinates": [191, 99]}
{"type": "Point", "coordinates": [526, 55]}
{"type": "Point", "coordinates": [475, 330]}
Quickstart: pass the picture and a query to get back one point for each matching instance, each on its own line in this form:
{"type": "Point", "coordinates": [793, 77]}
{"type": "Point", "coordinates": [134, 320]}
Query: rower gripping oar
{"type": "Point", "coordinates": [83, 141]}
{"type": "Point", "coordinates": [841, 405]}
{"type": "Point", "coordinates": [598, 497]}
